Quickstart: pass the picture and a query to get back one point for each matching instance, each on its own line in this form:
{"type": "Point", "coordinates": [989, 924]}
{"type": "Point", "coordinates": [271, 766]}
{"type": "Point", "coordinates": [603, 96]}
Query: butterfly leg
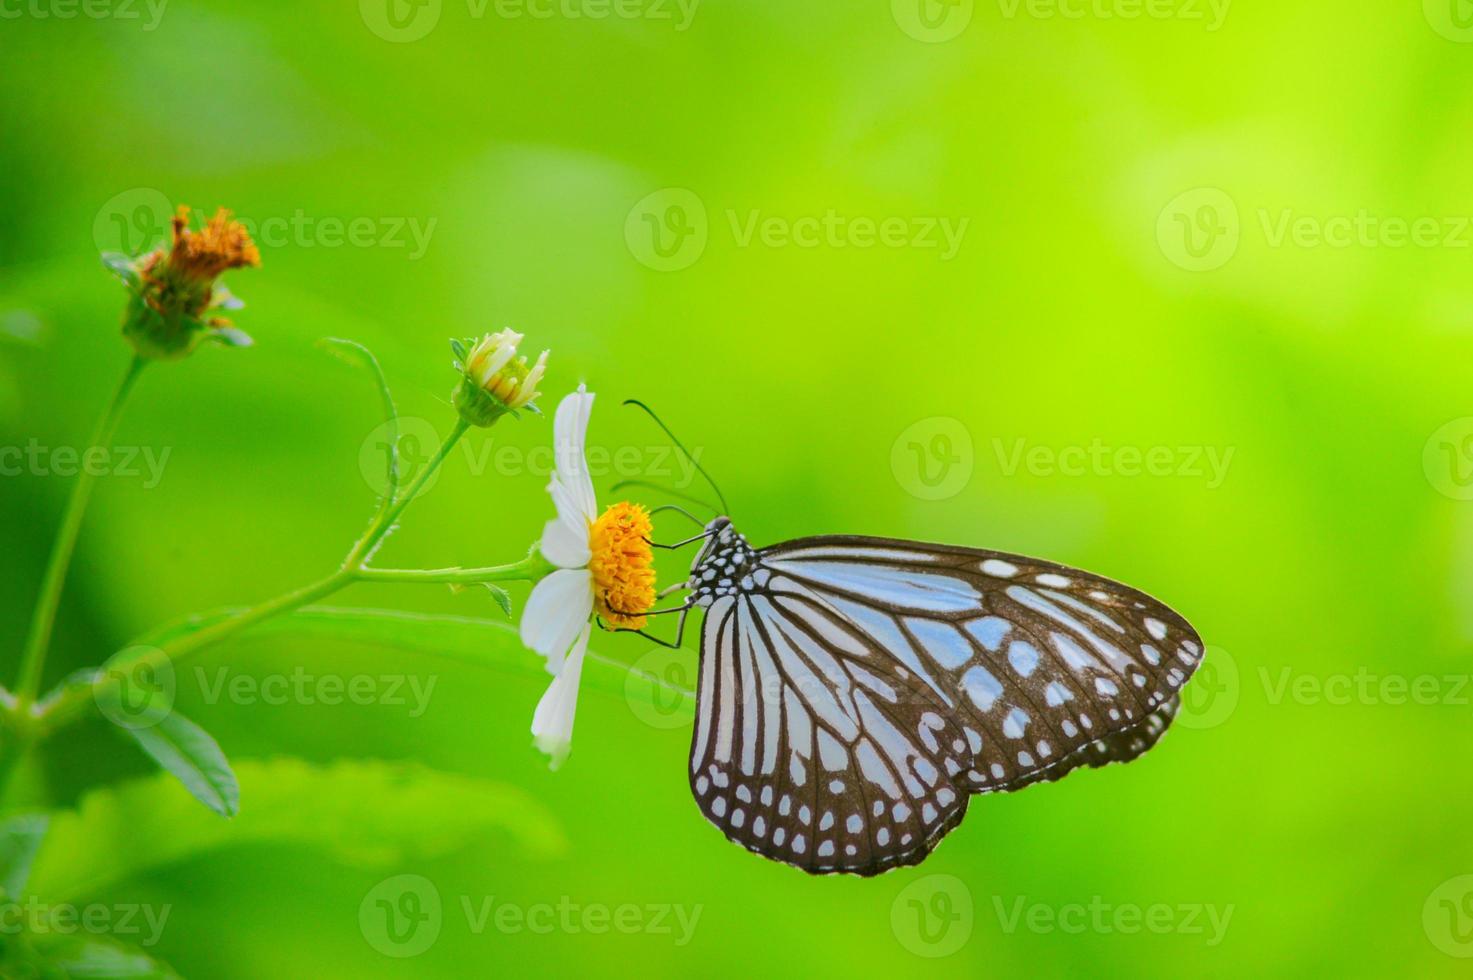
{"type": "Point", "coordinates": [679, 544]}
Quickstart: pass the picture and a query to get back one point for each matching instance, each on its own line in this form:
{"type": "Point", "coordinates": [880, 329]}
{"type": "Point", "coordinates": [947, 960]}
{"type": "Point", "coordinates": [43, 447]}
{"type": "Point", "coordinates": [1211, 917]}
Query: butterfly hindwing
{"type": "Point", "coordinates": [855, 691]}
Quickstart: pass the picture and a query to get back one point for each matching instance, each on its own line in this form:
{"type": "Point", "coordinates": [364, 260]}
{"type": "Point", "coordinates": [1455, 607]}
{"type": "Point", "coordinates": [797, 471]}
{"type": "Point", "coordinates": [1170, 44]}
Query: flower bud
{"type": "Point", "coordinates": [494, 380]}
{"type": "Point", "coordinates": [175, 290]}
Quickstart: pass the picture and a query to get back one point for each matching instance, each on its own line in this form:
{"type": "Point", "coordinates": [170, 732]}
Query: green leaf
{"type": "Point", "coordinates": [479, 642]}
{"type": "Point", "coordinates": [20, 838]}
{"type": "Point", "coordinates": [100, 957]}
{"type": "Point", "coordinates": [123, 267]}
{"type": "Point", "coordinates": [502, 597]}
{"type": "Point", "coordinates": [365, 813]}
{"type": "Point", "coordinates": [183, 748]}
{"type": "Point", "coordinates": [354, 353]}
{"type": "Point", "coordinates": [231, 337]}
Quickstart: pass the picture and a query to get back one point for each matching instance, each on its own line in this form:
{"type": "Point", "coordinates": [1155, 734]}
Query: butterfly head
{"type": "Point", "coordinates": [725, 565]}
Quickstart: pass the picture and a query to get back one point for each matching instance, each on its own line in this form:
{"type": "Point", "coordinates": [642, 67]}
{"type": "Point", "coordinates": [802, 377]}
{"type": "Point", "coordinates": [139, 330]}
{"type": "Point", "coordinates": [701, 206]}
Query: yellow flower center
{"type": "Point", "coordinates": [622, 565]}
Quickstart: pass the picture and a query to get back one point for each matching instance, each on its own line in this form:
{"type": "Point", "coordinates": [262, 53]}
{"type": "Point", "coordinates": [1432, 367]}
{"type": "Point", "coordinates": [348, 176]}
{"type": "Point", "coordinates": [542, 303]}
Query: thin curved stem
{"type": "Point", "coordinates": [38, 640]}
{"type": "Point", "coordinates": [385, 521]}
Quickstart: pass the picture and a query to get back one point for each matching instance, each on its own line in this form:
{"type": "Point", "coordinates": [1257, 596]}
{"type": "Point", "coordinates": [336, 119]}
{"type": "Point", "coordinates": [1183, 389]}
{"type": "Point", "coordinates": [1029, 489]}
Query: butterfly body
{"type": "Point", "coordinates": [855, 692]}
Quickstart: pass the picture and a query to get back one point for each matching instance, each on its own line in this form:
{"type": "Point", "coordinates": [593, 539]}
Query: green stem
{"type": "Point", "coordinates": [530, 569]}
{"type": "Point", "coordinates": [33, 657]}
{"type": "Point", "coordinates": [385, 521]}
{"type": "Point", "coordinates": [70, 703]}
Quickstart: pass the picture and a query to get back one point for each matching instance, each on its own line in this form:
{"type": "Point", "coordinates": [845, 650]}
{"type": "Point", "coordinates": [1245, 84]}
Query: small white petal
{"type": "Point", "coordinates": [557, 609]}
{"type": "Point", "coordinates": [563, 546]}
{"type": "Point", "coordinates": [569, 431]}
{"type": "Point", "coordinates": [552, 722]}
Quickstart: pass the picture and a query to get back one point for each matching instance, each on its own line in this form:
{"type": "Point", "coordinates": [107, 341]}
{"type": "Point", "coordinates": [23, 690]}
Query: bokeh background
{"type": "Point", "coordinates": [1229, 242]}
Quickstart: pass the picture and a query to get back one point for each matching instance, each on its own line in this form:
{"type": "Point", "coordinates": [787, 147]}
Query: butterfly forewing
{"type": "Point", "coordinates": [855, 691]}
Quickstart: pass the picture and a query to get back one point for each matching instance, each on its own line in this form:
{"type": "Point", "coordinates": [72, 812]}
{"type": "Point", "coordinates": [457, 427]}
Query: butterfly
{"type": "Point", "coordinates": [855, 692]}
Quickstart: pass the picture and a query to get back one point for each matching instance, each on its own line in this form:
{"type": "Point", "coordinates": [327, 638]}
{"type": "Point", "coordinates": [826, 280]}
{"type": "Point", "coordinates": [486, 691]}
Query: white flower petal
{"type": "Point", "coordinates": [557, 609]}
{"type": "Point", "coordinates": [563, 546]}
{"type": "Point", "coordinates": [552, 722]}
{"type": "Point", "coordinates": [569, 432]}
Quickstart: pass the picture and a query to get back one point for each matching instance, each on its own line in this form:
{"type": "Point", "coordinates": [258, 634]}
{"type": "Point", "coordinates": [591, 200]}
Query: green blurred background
{"type": "Point", "coordinates": [1234, 234]}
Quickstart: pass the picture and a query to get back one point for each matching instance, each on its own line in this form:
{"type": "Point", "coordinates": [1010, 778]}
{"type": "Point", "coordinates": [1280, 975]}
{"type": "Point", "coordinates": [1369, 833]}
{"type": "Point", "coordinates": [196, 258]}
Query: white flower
{"type": "Point", "coordinates": [603, 565]}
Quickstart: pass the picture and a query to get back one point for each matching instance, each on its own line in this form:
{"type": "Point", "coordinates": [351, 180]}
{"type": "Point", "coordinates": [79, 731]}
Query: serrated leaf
{"type": "Point", "coordinates": [502, 597]}
{"type": "Point", "coordinates": [188, 752]}
{"type": "Point", "coordinates": [365, 813]}
{"type": "Point", "coordinates": [20, 838]}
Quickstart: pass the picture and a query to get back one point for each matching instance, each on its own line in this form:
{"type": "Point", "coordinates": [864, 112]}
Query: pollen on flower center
{"type": "Point", "coordinates": [622, 565]}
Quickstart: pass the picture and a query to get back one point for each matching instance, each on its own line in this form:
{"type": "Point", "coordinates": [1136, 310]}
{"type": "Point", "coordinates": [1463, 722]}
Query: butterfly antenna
{"type": "Point", "coordinates": [681, 511]}
{"type": "Point", "coordinates": [674, 493]}
{"type": "Point", "coordinates": [683, 451]}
